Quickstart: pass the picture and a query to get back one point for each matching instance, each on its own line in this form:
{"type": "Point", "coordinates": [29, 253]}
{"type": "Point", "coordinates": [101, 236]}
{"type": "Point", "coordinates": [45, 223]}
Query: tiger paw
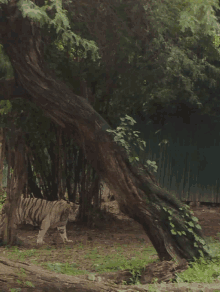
{"type": "Point", "coordinates": [69, 240]}
{"type": "Point", "coordinates": [40, 241]}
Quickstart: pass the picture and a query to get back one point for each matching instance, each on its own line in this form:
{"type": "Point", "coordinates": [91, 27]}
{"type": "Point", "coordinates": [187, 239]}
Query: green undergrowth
{"type": "Point", "coordinates": [204, 271]}
{"type": "Point", "coordinates": [96, 260]}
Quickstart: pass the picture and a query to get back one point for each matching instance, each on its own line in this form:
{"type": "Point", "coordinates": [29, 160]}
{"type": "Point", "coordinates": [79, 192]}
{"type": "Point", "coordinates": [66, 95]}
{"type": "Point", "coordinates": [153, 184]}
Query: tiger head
{"type": "Point", "coordinates": [74, 211]}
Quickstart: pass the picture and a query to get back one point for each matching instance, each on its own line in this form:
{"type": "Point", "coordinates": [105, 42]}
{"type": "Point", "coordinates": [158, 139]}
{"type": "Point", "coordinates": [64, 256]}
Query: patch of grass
{"type": "Point", "coordinates": [65, 268]}
{"type": "Point", "coordinates": [113, 258]}
{"type": "Point", "coordinates": [200, 271]}
{"type": "Point", "coordinates": [117, 261]}
{"type": "Point", "coordinates": [203, 271]}
{"type": "Point", "coordinates": [13, 252]}
{"type": "Point", "coordinates": [19, 254]}
{"type": "Point", "coordinates": [80, 246]}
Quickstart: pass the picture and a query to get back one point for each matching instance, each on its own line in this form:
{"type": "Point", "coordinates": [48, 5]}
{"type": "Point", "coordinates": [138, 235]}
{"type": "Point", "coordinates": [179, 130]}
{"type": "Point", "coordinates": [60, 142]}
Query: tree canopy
{"type": "Point", "coordinates": [143, 53]}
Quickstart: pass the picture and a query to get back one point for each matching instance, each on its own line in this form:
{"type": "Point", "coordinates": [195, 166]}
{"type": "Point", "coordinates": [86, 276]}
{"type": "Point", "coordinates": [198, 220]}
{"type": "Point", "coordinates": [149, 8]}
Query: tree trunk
{"type": "Point", "coordinates": [15, 183]}
{"type": "Point", "coordinates": [2, 157]}
{"type": "Point", "coordinates": [156, 210]}
{"type": "Point", "coordinates": [33, 188]}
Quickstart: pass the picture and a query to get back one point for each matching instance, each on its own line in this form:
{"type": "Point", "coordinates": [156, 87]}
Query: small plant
{"type": "Point", "coordinates": [152, 289]}
{"type": "Point", "coordinates": [29, 284]}
{"type": "Point", "coordinates": [128, 139]}
{"type": "Point", "coordinates": [136, 274]}
{"type": "Point", "coordinates": [21, 280]}
{"type": "Point", "coordinates": [25, 283]}
{"type": "Point", "coordinates": [3, 197]}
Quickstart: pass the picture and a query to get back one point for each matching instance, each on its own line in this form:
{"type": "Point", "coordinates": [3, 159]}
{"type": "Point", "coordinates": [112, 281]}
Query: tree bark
{"type": "Point", "coordinates": [137, 195]}
{"type": "Point", "coordinates": [15, 184]}
{"type": "Point", "coordinates": [2, 156]}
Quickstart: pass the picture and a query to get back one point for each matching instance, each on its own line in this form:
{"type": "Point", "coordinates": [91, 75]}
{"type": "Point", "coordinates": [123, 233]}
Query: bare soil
{"type": "Point", "coordinates": [105, 235]}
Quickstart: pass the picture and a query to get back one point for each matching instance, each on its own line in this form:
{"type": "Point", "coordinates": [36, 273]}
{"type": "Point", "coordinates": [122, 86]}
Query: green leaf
{"type": "Point", "coordinates": [28, 283]}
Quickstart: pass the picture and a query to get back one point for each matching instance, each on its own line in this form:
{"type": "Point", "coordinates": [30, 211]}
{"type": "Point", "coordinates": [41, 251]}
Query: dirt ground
{"type": "Point", "coordinates": [209, 219]}
{"type": "Point", "coordinates": [116, 228]}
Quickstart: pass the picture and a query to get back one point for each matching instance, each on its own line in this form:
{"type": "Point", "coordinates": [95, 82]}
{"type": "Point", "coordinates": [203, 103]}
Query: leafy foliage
{"type": "Point", "coordinates": [5, 107]}
{"type": "Point", "coordinates": [171, 60]}
{"type": "Point", "coordinates": [6, 70]}
{"type": "Point", "coordinates": [159, 53]}
{"type": "Point", "coordinates": [59, 21]}
{"type": "Point", "coordinates": [128, 139]}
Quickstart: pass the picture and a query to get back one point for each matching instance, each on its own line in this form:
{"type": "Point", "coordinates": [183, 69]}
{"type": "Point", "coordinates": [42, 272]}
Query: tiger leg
{"type": "Point", "coordinates": [43, 229]}
{"type": "Point", "coordinates": [62, 231]}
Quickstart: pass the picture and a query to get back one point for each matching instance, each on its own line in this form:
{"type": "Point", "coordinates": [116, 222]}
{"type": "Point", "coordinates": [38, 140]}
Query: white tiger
{"type": "Point", "coordinates": [43, 213]}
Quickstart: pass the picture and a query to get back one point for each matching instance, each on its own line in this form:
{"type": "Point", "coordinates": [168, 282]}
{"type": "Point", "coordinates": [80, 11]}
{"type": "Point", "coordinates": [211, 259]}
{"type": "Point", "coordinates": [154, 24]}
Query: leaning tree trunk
{"type": "Point", "coordinates": [169, 226]}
